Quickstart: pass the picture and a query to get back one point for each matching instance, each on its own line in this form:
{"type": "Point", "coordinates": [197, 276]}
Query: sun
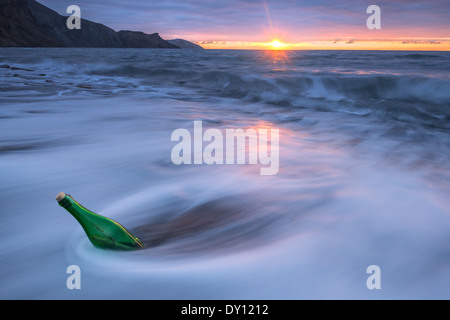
{"type": "Point", "coordinates": [277, 44]}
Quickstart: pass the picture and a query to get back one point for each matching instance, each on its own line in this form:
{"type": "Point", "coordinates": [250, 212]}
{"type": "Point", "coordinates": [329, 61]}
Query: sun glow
{"type": "Point", "coordinates": [277, 45]}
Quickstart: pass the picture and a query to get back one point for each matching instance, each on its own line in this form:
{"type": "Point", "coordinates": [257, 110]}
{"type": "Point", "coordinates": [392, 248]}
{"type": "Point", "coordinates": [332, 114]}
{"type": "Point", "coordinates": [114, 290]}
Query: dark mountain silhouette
{"type": "Point", "coordinates": [27, 23]}
{"type": "Point", "coordinates": [184, 44]}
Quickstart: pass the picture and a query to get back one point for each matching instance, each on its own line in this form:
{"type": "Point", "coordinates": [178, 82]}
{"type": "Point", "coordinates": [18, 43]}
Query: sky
{"type": "Point", "coordinates": [297, 24]}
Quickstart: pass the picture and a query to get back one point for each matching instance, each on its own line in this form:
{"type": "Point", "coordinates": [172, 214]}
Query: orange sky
{"type": "Point", "coordinates": [400, 44]}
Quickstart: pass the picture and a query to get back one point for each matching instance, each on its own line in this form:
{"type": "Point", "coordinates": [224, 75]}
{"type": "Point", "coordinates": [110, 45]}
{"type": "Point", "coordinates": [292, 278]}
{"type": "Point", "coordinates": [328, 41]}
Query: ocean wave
{"type": "Point", "coordinates": [333, 87]}
{"type": "Point", "coordinates": [248, 77]}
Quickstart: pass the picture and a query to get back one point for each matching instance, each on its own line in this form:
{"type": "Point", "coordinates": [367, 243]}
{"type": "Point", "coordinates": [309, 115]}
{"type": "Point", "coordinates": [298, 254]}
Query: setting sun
{"type": "Point", "coordinates": [276, 44]}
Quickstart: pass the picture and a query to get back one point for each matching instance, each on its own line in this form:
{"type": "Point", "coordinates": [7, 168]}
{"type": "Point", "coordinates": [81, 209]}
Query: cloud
{"type": "Point", "coordinates": [422, 42]}
{"type": "Point", "coordinates": [210, 42]}
{"type": "Point", "coordinates": [248, 20]}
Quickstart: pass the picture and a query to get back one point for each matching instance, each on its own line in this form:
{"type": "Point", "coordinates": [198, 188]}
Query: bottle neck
{"type": "Point", "coordinates": [76, 209]}
{"type": "Point", "coordinates": [66, 202]}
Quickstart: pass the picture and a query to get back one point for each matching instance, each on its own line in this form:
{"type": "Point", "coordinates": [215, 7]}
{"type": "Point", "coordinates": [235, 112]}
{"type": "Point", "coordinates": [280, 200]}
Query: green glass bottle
{"type": "Point", "coordinates": [103, 232]}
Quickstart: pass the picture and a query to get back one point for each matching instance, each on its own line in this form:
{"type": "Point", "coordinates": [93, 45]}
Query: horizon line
{"type": "Point", "coordinates": [238, 49]}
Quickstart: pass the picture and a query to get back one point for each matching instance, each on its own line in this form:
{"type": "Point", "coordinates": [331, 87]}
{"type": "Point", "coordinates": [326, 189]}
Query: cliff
{"type": "Point", "coordinates": [184, 44]}
{"type": "Point", "coordinates": [27, 23]}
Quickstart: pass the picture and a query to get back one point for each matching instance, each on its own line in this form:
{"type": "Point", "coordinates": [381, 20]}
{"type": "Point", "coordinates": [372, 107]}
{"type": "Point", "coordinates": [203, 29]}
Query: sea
{"type": "Point", "coordinates": [358, 209]}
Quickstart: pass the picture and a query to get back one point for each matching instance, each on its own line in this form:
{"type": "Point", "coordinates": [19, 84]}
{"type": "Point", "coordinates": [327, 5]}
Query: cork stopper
{"type": "Point", "coordinates": [60, 196]}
